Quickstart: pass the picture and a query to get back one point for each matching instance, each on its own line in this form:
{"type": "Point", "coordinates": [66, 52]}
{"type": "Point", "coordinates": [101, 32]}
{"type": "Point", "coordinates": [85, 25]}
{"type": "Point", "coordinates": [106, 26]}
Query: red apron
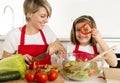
{"type": "Point", "coordinates": [84, 56]}
{"type": "Point", "coordinates": [33, 49]}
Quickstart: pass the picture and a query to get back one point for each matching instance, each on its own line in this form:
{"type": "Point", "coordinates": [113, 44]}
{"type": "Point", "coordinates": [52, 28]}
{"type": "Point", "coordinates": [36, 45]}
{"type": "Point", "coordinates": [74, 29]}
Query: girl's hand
{"type": "Point", "coordinates": [96, 34]}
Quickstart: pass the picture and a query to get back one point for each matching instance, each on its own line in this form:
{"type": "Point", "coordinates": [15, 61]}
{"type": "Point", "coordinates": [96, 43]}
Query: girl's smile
{"type": "Point", "coordinates": [82, 38]}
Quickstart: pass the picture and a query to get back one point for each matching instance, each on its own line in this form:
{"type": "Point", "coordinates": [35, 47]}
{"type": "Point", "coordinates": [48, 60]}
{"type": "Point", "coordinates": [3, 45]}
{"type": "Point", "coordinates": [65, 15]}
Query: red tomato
{"type": "Point", "coordinates": [42, 77]}
{"type": "Point", "coordinates": [53, 74]}
{"type": "Point", "coordinates": [30, 75]}
{"type": "Point", "coordinates": [92, 72]}
{"type": "Point", "coordinates": [95, 65]}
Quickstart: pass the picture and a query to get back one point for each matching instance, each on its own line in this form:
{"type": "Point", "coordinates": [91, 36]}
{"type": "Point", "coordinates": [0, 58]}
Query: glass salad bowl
{"type": "Point", "coordinates": [79, 70]}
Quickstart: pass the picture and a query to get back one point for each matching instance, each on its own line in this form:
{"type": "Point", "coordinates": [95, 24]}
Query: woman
{"type": "Point", "coordinates": [35, 37]}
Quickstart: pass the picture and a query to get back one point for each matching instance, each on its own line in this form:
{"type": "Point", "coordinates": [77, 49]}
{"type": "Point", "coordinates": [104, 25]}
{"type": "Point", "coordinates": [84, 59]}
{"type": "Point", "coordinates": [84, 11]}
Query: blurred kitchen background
{"type": "Point", "coordinates": [105, 12]}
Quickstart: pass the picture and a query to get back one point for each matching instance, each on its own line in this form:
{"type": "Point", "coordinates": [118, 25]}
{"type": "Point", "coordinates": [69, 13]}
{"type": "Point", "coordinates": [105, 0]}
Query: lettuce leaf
{"type": "Point", "coordinates": [14, 62]}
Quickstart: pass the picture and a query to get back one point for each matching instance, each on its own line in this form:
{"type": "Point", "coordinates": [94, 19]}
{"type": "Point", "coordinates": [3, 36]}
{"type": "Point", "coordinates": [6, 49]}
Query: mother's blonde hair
{"type": "Point", "coordinates": [32, 6]}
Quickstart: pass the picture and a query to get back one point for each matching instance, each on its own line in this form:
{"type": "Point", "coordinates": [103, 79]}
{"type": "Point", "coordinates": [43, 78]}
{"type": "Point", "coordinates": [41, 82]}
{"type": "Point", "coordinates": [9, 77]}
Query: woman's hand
{"type": "Point", "coordinates": [56, 47]}
{"type": "Point", "coordinates": [28, 59]}
{"type": "Point", "coordinates": [96, 34]}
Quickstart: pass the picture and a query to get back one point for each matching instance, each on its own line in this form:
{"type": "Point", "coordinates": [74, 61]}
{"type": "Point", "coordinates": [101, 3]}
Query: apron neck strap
{"type": "Point", "coordinates": [94, 48]}
{"type": "Point", "coordinates": [77, 47]}
{"type": "Point", "coordinates": [23, 36]}
{"type": "Point", "coordinates": [43, 36]}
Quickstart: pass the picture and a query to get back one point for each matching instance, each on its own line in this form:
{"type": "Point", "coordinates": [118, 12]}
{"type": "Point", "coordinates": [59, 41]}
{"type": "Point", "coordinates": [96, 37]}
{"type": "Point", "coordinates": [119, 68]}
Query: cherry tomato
{"type": "Point", "coordinates": [86, 29]}
{"type": "Point", "coordinates": [30, 75]}
{"type": "Point", "coordinates": [53, 74]}
{"type": "Point", "coordinates": [92, 72]}
{"type": "Point", "coordinates": [95, 65]}
{"type": "Point", "coordinates": [42, 77]}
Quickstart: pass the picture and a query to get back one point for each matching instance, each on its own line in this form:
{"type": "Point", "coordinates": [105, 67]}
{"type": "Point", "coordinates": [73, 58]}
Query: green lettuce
{"type": "Point", "coordinates": [14, 62]}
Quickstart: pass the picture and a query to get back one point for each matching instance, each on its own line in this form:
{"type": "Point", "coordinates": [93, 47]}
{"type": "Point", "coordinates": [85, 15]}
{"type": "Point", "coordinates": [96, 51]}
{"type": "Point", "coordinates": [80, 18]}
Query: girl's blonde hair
{"type": "Point", "coordinates": [82, 19]}
{"type": "Point", "coordinates": [32, 6]}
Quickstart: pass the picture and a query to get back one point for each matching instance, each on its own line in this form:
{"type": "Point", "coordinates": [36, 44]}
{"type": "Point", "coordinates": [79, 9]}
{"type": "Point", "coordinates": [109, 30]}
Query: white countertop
{"type": "Point", "coordinates": [95, 80]}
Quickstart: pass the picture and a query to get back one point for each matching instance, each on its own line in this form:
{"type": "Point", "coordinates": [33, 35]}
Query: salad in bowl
{"type": "Point", "coordinates": [71, 70]}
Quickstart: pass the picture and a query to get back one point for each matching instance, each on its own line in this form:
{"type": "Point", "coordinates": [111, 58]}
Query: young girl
{"type": "Point", "coordinates": [87, 41]}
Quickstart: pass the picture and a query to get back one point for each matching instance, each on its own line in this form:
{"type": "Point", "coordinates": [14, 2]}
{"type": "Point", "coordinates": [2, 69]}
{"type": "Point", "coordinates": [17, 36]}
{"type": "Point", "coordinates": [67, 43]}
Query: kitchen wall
{"type": "Point", "coordinates": [105, 12]}
{"type": "Point", "coordinates": [11, 15]}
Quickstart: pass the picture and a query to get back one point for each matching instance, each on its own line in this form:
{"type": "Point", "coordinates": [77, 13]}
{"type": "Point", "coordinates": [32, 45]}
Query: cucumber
{"type": "Point", "coordinates": [9, 75]}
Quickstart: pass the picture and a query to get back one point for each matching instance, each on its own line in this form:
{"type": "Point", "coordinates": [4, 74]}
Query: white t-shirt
{"type": "Point", "coordinates": [12, 39]}
{"type": "Point", "coordinates": [89, 49]}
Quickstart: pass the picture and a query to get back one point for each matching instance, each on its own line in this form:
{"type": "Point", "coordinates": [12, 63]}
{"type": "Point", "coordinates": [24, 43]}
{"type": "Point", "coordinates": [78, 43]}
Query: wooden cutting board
{"type": "Point", "coordinates": [112, 74]}
{"type": "Point", "coordinates": [60, 79]}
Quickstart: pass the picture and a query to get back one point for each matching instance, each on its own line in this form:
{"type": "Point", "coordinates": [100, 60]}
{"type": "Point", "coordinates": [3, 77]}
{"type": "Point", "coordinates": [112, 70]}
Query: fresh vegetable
{"type": "Point", "coordinates": [30, 75]}
{"type": "Point", "coordinates": [79, 73]}
{"type": "Point", "coordinates": [14, 63]}
{"type": "Point", "coordinates": [86, 29]}
{"type": "Point", "coordinates": [34, 65]}
{"type": "Point", "coordinates": [9, 75]}
{"type": "Point", "coordinates": [42, 77]}
{"type": "Point", "coordinates": [53, 74]}
{"type": "Point", "coordinates": [42, 74]}
{"type": "Point", "coordinates": [70, 63]}
{"type": "Point", "coordinates": [92, 72]}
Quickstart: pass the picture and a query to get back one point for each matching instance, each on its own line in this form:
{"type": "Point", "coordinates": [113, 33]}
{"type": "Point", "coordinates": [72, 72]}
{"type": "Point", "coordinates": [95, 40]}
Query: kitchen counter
{"type": "Point", "coordinates": [96, 79]}
{"type": "Point", "coordinates": [111, 74]}
{"type": "Point", "coordinates": [93, 80]}
{"type": "Point", "coordinates": [58, 80]}
{"type": "Point", "coordinates": [61, 80]}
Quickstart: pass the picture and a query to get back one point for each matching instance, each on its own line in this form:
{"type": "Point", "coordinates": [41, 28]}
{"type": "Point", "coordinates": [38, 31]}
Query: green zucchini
{"type": "Point", "coordinates": [9, 75]}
